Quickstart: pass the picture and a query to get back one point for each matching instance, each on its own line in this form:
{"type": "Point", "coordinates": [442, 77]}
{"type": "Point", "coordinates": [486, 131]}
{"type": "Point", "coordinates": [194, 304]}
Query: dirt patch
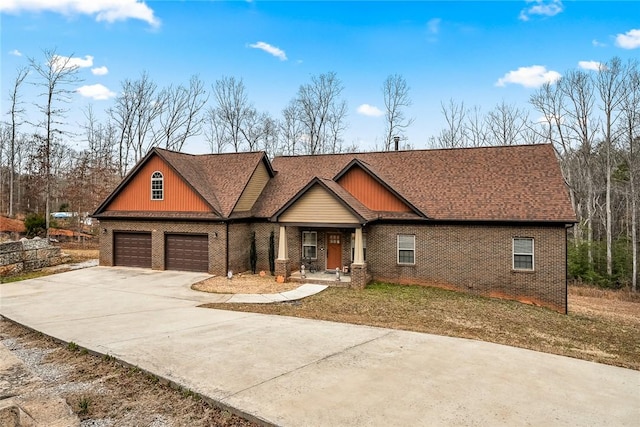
{"type": "Point", "coordinates": [78, 255]}
{"type": "Point", "coordinates": [244, 284]}
{"type": "Point", "coordinates": [105, 393]}
{"type": "Point", "coordinates": [603, 329]}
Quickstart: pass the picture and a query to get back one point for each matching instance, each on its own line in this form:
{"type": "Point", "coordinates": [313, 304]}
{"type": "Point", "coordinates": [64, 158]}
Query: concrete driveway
{"type": "Point", "coordinates": [297, 372]}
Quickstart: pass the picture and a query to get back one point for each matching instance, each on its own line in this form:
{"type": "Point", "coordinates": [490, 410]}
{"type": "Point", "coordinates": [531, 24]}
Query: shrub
{"type": "Point", "coordinates": [253, 253]}
{"type": "Point", "coordinates": [272, 253]}
{"type": "Point", "coordinates": [35, 225]}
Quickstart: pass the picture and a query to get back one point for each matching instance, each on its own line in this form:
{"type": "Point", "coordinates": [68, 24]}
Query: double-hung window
{"type": "Point", "coordinates": [157, 186]}
{"type": "Point", "coordinates": [522, 253]}
{"type": "Point", "coordinates": [309, 245]}
{"type": "Point", "coordinates": [406, 249]}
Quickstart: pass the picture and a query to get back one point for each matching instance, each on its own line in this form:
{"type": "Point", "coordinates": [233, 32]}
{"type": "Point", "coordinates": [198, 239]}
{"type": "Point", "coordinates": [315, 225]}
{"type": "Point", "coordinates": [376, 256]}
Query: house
{"type": "Point", "coordinates": [489, 221]}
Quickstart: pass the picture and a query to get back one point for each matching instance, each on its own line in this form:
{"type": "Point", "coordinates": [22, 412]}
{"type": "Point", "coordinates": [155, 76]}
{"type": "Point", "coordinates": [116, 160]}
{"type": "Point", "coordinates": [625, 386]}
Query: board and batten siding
{"type": "Point", "coordinates": [370, 192]}
{"type": "Point", "coordinates": [318, 206]}
{"type": "Point", "coordinates": [178, 196]}
{"type": "Point", "coordinates": [254, 187]}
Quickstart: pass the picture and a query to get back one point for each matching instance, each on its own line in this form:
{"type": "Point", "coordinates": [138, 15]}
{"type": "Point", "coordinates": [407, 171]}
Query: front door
{"type": "Point", "coordinates": [334, 251]}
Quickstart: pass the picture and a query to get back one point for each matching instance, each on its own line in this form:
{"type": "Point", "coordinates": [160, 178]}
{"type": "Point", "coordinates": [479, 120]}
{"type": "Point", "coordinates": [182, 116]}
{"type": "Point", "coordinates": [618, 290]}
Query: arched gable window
{"type": "Point", "coordinates": [157, 186]}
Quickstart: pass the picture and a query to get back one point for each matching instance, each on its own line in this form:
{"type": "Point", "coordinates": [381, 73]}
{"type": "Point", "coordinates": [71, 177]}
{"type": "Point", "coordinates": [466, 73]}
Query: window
{"type": "Point", "coordinates": [157, 186]}
{"type": "Point", "coordinates": [309, 245]}
{"type": "Point", "coordinates": [406, 249]}
{"type": "Point", "coordinates": [353, 246]}
{"type": "Point", "coordinates": [522, 253]}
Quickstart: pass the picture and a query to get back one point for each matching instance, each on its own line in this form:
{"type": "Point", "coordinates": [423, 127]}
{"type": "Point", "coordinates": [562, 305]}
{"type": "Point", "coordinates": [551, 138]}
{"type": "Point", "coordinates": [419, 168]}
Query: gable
{"type": "Point", "coordinates": [254, 187]}
{"type": "Point", "coordinates": [317, 205]}
{"type": "Point", "coordinates": [370, 192]}
{"type": "Point", "coordinates": [178, 195]}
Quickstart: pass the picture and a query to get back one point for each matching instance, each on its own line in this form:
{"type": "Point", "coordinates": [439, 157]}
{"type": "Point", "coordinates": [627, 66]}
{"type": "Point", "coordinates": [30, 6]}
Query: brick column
{"type": "Point", "coordinates": [283, 268]}
{"type": "Point", "coordinates": [283, 265]}
{"type": "Point", "coordinates": [359, 276]}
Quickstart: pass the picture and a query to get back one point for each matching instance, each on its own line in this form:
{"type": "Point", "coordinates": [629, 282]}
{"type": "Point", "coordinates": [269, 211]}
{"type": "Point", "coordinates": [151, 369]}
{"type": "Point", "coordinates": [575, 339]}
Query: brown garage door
{"type": "Point", "coordinates": [132, 249]}
{"type": "Point", "coordinates": [187, 252]}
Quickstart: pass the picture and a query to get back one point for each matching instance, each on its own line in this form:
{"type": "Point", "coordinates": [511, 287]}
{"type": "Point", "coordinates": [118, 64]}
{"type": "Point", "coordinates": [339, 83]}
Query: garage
{"type": "Point", "coordinates": [187, 252]}
{"type": "Point", "coordinates": [132, 249]}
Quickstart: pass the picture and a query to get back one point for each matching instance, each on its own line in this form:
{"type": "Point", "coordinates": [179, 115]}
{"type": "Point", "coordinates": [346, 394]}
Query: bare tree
{"type": "Point", "coordinates": [180, 118]}
{"type": "Point", "coordinates": [56, 74]}
{"type": "Point", "coordinates": [550, 101]}
{"type": "Point", "coordinates": [16, 111]}
{"type": "Point", "coordinates": [396, 98]}
{"type": "Point", "coordinates": [233, 109]}
{"type": "Point", "coordinates": [122, 114]}
{"type": "Point", "coordinates": [507, 124]}
{"type": "Point", "coordinates": [577, 88]}
{"type": "Point", "coordinates": [454, 135]}
{"type": "Point", "coordinates": [630, 135]}
{"type": "Point", "coordinates": [320, 111]}
{"type": "Point", "coordinates": [148, 104]}
{"type": "Point", "coordinates": [136, 110]}
{"type": "Point", "coordinates": [215, 131]}
{"type": "Point", "coordinates": [291, 131]}
{"type": "Point", "coordinates": [610, 85]}
{"type": "Point", "coordinates": [475, 128]}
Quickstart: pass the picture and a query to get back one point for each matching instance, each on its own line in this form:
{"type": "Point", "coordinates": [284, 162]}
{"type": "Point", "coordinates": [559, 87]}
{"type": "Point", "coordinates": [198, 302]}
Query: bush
{"type": "Point", "coordinates": [253, 253]}
{"type": "Point", "coordinates": [272, 253]}
{"type": "Point", "coordinates": [35, 225]}
{"type": "Point", "coordinates": [580, 269]}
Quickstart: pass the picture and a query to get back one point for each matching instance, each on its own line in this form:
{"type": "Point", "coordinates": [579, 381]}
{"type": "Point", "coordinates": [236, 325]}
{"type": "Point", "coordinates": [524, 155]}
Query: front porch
{"type": "Point", "coordinates": [322, 277]}
{"type": "Point", "coordinates": [339, 263]}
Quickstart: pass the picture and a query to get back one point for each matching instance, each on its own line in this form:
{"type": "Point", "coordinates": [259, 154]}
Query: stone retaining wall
{"type": "Point", "coordinates": [27, 255]}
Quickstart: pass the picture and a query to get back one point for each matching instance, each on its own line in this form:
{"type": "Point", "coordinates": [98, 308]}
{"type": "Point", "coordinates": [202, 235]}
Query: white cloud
{"type": "Point", "coordinates": [369, 110]}
{"type": "Point", "coordinates": [629, 40]}
{"type": "Point", "coordinates": [103, 10]}
{"type": "Point", "coordinates": [67, 62]}
{"type": "Point", "coordinates": [272, 50]}
{"type": "Point", "coordinates": [433, 25]}
{"type": "Point", "coordinates": [15, 52]}
{"type": "Point", "coordinates": [590, 65]}
{"type": "Point", "coordinates": [100, 71]}
{"type": "Point", "coordinates": [596, 43]}
{"type": "Point", "coordinates": [96, 92]}
{"type": "Point", "coordinates": [533, 76]}
{"type": "Point", "coordinates": [541, 7]}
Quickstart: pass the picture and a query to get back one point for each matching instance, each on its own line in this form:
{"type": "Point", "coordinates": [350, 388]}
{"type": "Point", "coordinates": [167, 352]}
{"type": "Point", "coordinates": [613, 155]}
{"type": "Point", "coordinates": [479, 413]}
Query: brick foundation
{"type": "Point", "coordinates": [359, 276]}
{"type": "Point", "coordinates": [283, 268]}
{"type": "Point", "coordinates": [475, 259]}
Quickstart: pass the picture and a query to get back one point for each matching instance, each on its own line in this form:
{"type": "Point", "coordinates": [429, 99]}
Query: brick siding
{"type": "Point", "coordinates": [475, 259]}
{"type": "Point", "coordinates": [215, 231]}
{"type": "Point", "coordinates": [470, 258]}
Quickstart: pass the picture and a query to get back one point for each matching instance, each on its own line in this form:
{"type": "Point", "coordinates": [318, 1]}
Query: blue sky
{"type": "Point", "coordinates": [477, 52]}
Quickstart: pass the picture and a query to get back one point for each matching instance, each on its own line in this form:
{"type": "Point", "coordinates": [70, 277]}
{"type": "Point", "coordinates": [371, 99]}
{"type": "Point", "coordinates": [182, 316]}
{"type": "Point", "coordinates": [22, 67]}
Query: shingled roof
{"type": "Point", "coordinates": [510, 183]}
{"type": "Point", "coordinates": [219, 178]}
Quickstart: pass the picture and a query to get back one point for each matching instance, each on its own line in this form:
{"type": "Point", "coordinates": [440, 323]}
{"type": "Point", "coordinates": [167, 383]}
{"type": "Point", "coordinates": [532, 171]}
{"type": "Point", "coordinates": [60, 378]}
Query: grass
{"type": "Point", "coordinates": [23, 276]}
{"type": "Point", "coordinates": [608, 333]}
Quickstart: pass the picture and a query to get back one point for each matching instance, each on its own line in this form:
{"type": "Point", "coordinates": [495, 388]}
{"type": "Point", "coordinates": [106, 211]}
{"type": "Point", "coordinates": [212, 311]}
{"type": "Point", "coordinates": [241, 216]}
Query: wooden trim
{"type": "Point", "coordinates": [306, 188]}
{"type": "Point", "coordinates": [357, 162]}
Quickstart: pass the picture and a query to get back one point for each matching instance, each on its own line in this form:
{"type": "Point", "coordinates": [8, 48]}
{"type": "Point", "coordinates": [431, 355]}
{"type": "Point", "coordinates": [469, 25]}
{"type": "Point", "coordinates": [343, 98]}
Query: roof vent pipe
{"type": "Point", "coordinates": [396, 140]}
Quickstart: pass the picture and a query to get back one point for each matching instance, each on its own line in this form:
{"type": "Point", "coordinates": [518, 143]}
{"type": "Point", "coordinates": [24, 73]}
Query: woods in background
{"type": "Point", "coordinates": [592, 118]}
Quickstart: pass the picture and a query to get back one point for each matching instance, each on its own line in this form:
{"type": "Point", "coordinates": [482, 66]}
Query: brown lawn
{"type": "Point", "coordinates": [602, 326]}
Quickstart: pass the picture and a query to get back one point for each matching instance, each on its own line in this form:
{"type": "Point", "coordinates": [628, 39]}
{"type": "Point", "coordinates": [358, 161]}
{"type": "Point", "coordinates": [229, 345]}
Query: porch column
{"type": "Point", "coordinates": [358, 256]}
{"type": "Point", "coordinates": [359, 274]}
{"type": "Point", "coordinates": [283, 252]}
{"type": "Point", "coordinates": [283, 268]}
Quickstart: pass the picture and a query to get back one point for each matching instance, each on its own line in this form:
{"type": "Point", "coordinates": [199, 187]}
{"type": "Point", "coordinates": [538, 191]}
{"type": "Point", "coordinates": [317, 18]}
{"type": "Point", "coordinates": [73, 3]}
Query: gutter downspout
{"type": "Point", "coordinates": [566, 270]}
{"type": "Point", "coordinates": [226, 255]}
